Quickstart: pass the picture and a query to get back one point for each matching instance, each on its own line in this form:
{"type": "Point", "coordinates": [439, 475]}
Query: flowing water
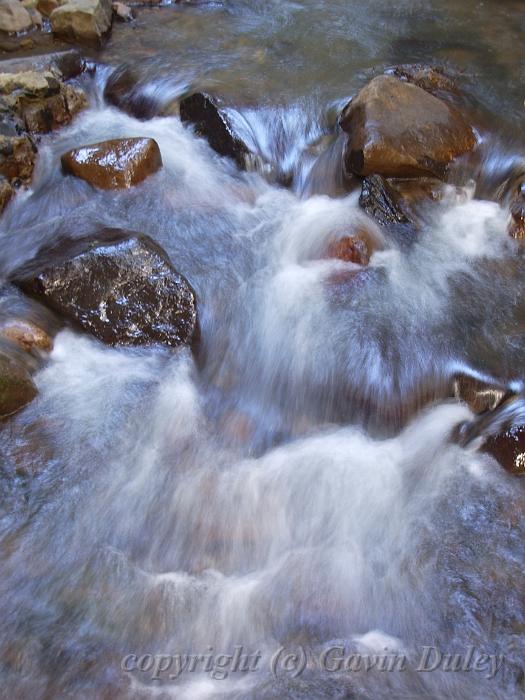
{"type": "Point", "coordinates": [293, 484]}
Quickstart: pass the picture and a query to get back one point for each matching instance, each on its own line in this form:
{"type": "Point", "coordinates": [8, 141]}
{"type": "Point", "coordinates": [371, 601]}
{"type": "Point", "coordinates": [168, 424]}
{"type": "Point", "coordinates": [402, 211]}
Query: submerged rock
{"type": "Point", "coordinates": [119, 286]}
{"type": "Point", "coordinates": [124, 90]}
{"type": "Point", "coordinates": [396, 129]}
{"type": "Point", "coordinates": [26, 335]}
{"type": "Point", "coordinates": [349, 249]}
{"type": "Point", "coordinates": [16, 387]}
{"type": "Point", "coordinates": [14, 17]}
{"type": "Point", "coordinates": [82, 21]}
{"type": "Point", "coordinates": [114, 164]}
{"type": "Point", "coordinates": [211, 122]}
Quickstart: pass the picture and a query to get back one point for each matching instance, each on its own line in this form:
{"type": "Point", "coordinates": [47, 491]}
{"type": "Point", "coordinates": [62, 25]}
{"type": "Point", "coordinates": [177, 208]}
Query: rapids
{"type": "Point", "coordinates": [294, 484]}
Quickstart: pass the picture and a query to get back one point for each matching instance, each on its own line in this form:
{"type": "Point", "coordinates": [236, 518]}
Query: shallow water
{"type": "Point", "coordinates": [294, 484]}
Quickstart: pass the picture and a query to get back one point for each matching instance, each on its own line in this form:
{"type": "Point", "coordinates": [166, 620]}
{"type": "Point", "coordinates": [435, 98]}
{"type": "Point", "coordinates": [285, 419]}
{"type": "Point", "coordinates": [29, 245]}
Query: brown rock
{"type": "Point", "coordinates": [26, 335]}
{"type": "Point", "coordinates": [433, 79]}
{"type": "Point", "coordinates": [14, 17]}
{"type": "Point", "coordinates": [480, 396]}
{"type": "Point", "coordinates": [16, 387]}
{"type": "Point", "coordinates": [6, 192]}
{"type": "Point", "coordinates": [116, 164]}
{"type": "Point", "coordinates": [17, 158]}
{"type": "Point", "coordinates": [508, 449]}
{"type": "Point", "coordinates": [349, 249]}
{"type": "Point", "coordinates": [396, 129]}
{"type": "Point", "coordinates": [84, 22]}
{"type": "Point", "coordinates": [46, 7]}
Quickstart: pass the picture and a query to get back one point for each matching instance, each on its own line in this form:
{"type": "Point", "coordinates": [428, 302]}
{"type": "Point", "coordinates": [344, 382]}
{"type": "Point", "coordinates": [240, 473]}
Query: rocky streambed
{"type": "Point", "coordinates": [250, 343]}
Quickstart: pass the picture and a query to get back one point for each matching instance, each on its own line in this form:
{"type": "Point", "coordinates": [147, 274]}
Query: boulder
{"type": "Point", "coordinates": [14, 17]}
{"type": "Point", "coordinates": [17, 158]}
{"type": "Point", "coordinates": [396, 129]}
{"type": "Point", "coordinates": [16, 387]}
{"type": "Point", "coordinates": [82, 21]}
{"type": "Point", "coordinates": [211, 122]}
{"type": "Point", "coordinates": [6, 192]}
{"type": "Point", "coordinates": [27, 335]}
{"type": "Point", "coordinates": [121, 287]}
{"type": "Point", "coordinates": [115, 164]}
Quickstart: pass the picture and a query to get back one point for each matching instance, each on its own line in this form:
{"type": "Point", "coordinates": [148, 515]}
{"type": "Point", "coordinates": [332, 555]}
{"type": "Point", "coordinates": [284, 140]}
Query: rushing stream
{"type": "Point", "coordinates": [293, 484]}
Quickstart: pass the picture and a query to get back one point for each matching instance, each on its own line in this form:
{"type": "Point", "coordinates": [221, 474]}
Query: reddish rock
{"type": "Point", "coordinates": [349, 249]}
{"type": "Point", "coordinates": [396, 129]}
{"type": "Point", "coordinates": [508, 449]}
{"type": "Point", "coordinates": [46, 7]}
{"type": "Point", "coordinates": [26, 335]}
{"type": "Point", "coordinates": [115, 164]}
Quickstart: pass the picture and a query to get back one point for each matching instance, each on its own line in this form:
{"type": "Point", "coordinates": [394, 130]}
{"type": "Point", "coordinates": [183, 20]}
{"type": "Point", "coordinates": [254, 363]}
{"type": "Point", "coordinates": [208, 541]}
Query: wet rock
{"type": "Point", "coordinates": [123, 12]}
{"type": "Point", "coordinates": [115, 164]}
{"type": "Point", "coordinates": [26, 335]}
{"type": "Point", "coordinates": [14, 17]}
{"type": "Point", "coordinates": [508, 448]}
{"type": "Point", "coordinates": [84, 22]}
{"type": "Point", "coordinates": [350, 249]}
{"type": "Point", "coordinates": [17, 158]}
{"type": "Point", "coordinates": [16, 387]}
{"type": "Point", "coordinates": [119, 286]}
{"type": "Point", "coordinates": [380, 202]}
{"type": "Point", "coordinates": [480, 396]}
{"type": "Point", "coordinates": [46, 7]}
{"type": "Point", "coordinates": [511, 195]}
{"type": "Point", "coordinates": [211, 122]}
{"type": "Point", "coordinates": [396, 129]}
{"type": "Point", "coordinates": [124, 90]}
{"type": "Point", "coordinates": [433, 79]}
{"type": "Point", "coordinates": [6, 192]}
